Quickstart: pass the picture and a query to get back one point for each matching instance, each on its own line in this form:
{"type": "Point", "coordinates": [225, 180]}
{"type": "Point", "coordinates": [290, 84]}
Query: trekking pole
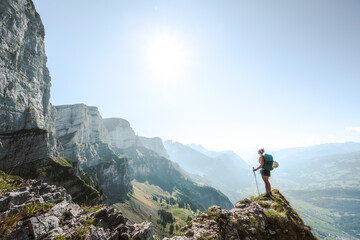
{"type": "Point", "coordinates": [256, 183]}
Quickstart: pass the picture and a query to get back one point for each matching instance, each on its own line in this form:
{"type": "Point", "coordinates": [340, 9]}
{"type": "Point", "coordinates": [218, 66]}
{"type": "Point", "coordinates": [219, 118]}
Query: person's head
{"type": "Point", "coordinates": [261, 151]}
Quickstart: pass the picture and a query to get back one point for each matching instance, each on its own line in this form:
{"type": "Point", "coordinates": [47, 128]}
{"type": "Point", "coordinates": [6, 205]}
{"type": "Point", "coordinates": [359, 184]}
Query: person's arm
{"type": "Point", "coordinates": [261, 164]}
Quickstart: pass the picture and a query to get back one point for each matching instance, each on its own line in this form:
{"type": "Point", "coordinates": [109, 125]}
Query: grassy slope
{"type": "Point", "coordinates": [146, 165]}
{"type": "Point", "coordinates": [320, 219]}
{"type": "Point", "coordinates": [328, 215]}
{"type": "Point", "coordinates": [326, 193]}
{"type": "Point", "coordinates": [141, 207]}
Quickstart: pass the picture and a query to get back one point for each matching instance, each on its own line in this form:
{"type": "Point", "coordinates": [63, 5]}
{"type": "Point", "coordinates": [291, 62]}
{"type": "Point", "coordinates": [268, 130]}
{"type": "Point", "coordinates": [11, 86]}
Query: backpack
{"type": "Point", "coordinates": [268, 162]}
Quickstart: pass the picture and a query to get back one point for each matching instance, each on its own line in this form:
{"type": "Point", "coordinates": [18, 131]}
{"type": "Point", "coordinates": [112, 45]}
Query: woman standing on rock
{"type": "Point", "coordinates": [265, 174]}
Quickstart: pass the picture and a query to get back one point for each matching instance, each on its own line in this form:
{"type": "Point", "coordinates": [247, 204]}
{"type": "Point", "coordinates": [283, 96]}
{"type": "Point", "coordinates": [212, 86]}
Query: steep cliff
{"type": "Point", "coordinates": [26, 123]}
{"type": "Point", "coordinates": [121, 135]}
{"type": "Point", "coordinates": [155, 144]}
{"type": "Point", "coordinates": [81, 131]}
{"type": "Point", "coordinates": [24, 77]}
{"type": "Point", "coordinates": [27, 144]}
{"type": "Point", "coordinates": [257, 218]}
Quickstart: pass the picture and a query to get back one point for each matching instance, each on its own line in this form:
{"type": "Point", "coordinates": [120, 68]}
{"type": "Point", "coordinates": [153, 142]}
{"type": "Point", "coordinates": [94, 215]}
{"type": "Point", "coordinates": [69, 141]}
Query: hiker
{"type": "Point", "coordinates": [265, 174]}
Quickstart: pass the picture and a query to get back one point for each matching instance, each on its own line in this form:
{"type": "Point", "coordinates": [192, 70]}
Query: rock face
{"type": "Point", "coordinates": [26, 115]}
{"type": "Point", "coordinates": [258, 218]}
{"type": "Point", "coordinates": [121, 135]}
{"type": "Point", "coordinates": [37, 210]}
{"type": "Point", "coordinates": [155, 144]}
{"type": "Point", "coordinates": [80, 130]}
{"type": "Point", "coordinates": [24, 77]}
{"type": "Point", "coordinates": [27, 144]}
{"type": "Point", "coordinates": [77, 126]}
{"type": "Point", "coordinates": [83, 123]}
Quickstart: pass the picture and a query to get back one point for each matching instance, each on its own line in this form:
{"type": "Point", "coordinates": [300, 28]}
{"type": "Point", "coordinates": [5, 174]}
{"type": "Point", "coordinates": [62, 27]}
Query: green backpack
{"type": "Point", "coordinates": [268, 162]}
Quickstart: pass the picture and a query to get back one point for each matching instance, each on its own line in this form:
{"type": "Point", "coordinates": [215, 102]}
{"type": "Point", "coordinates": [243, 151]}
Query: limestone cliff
{"type": "Point", "coordinates": [155, 144]}
{"type": "Point", "coordinates": [79, 123]}
{"type": "Point", "coordinates": [24, 77]}
{"type": "Point", "coordinates": [121, 135]}
{"type": "Point", "coordinates": [81, 131]}
{"type": "Point", "coordinates": [257, 218]}
{"type": "Point", "coordinates": [27, 144]}
{"type": "Point", "coordinates": [26, 123]}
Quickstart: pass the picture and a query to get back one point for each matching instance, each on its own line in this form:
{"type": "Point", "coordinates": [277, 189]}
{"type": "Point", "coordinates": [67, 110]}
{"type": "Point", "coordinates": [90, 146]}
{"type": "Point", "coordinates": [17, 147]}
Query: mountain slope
{"type": "Point", "coordinates": [206, 166]}
{"type": "Point", "coordinates": [146, 165]}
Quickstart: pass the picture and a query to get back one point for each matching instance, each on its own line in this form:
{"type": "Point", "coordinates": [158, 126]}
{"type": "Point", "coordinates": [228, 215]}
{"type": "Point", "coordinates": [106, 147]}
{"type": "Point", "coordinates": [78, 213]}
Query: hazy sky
{"type": "Point", "coordinates": [226, 74]}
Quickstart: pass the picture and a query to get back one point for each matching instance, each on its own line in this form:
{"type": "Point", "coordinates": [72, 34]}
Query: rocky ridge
{"type": "Point", "coordinates": [257, 218]}
{"type": "Point", "coordinates": [33, 209]}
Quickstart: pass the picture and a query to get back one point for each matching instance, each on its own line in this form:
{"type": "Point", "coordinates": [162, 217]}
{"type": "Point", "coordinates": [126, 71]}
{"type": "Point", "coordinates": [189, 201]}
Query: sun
{"type": "Point", "coordinates": [166, 56]}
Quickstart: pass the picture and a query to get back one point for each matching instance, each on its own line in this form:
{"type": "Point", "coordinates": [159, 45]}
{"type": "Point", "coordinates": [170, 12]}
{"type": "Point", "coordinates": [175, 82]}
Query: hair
{"type": "Point", "coordinates": [261, 150]}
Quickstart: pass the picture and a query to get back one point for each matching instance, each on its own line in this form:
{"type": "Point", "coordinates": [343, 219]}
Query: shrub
{"type": "Point", "coordinates": [80, 233]}
{"type": "Point", "coordinates": [275, 216]}
{"type": "Point", "coordinates": [7, 223]}
{"type": "Point", "coordinates": [253, 221]}
{"type": "Point", "coordinates": [36, 207]}
{"type": "Point", "coordinates": [7, 182]}
{"type": "Point", "coordinates": [59, 237]}
{"type": "Point", "coordinates": [90, 209]}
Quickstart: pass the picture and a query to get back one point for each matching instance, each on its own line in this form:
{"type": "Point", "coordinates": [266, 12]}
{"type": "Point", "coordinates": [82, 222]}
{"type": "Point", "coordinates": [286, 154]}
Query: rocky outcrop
{"type": "Point", "coordinates": [37, 210]}
{"type": "Point", "coordinates": [26, 115]}
{"type": "Point", "coordinates": [121, 135]}
{"type": "Point", "coordinates": [79, 123]}
{"type": "Point", "coordinates": [155, 144]}
{"type": "Point", "coordinates": [80, 130]}
{"type": "Point", "coordinates": [257, 218]}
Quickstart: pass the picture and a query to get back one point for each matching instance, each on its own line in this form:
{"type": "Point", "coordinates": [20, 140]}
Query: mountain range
{"type": "Point", "coordinates": [102, 164]}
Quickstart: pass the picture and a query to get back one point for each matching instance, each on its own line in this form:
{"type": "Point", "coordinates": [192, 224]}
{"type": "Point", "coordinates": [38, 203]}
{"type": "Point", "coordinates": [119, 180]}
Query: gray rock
{"type": "Point", "coordinates": [42, 225]}
{"type": "Point", "coordinates": [66, 217]}
{"type": "Point", "coordinates": [86, 140]}
{"type": "Point", "coordinates": [24, 88]}
{"type": "Point", "coordinates": [272, 232]}
{"type": "Point", "coordinates": [121, 135]}
{"type": "Point", "coordinates": [247, 220]}
{"type": "Point", "coordinates": [155, 144]}
{"type": "Point", "coordinates": [18, 198]}
{"type": "Point", "coordinates": [143, 231]}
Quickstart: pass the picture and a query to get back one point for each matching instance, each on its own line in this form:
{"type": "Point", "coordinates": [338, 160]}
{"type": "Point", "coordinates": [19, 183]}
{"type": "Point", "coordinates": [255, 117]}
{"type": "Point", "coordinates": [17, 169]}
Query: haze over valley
{"type": "Point", "coordinates": [146, 120]}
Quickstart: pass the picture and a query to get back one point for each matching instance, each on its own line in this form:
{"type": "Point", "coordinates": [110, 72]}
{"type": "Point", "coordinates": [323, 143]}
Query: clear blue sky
{"type": "Point", "coordinates": [251, 73]}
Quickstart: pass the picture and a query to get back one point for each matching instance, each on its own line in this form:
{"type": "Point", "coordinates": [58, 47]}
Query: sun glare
{"type": "Point", "coordinates": [166, 56]}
